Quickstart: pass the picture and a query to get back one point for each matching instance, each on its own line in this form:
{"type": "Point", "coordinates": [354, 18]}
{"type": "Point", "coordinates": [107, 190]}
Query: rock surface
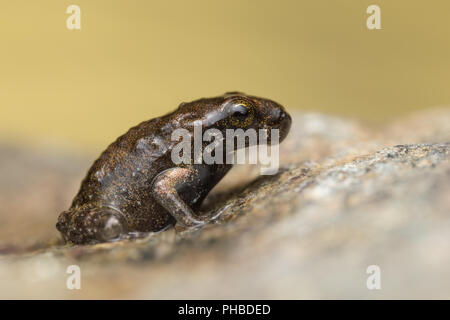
{"type": "Point", "coordinates": [346, 197]}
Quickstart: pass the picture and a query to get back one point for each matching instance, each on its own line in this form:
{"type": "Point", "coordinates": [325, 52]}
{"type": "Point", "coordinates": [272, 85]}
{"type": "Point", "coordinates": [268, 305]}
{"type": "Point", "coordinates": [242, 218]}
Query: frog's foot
{"type": "Point", "coordinates": [164, 191]}
{"type": "Point", "coordinates": [211, 216]}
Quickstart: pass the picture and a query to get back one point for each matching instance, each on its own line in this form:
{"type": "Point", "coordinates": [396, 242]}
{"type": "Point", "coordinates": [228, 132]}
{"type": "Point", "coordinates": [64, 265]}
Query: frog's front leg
{"type": "Point", "coordinates": [168, 186]}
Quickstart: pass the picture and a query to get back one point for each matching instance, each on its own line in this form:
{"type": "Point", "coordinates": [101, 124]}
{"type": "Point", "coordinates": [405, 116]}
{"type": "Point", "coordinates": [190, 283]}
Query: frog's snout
{"type": "Point", "coordinates": [276, 117]}
{"type": "Point", "coordinates": [284, 124]}
{"type": "Point", "coordinates": [63, 223]}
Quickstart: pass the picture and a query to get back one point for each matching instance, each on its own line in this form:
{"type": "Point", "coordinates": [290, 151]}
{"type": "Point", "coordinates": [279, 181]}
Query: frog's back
{"type": "Point", "coordinates": [123, 173]}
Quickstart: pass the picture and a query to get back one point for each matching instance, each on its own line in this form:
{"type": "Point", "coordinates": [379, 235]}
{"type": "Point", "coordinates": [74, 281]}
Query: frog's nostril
{"type": "Point", "coordinates": [284, 119]}
{"type": "Point", "coordinates": [284, 115]}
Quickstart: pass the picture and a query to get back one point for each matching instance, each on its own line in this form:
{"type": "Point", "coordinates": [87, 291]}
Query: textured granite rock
{"type": "Point", "coordinates": [346, 197]}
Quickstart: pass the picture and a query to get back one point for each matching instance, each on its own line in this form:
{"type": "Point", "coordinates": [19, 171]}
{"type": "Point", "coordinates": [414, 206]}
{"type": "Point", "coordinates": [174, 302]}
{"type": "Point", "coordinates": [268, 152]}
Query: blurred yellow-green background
{"type": "Point", "coordinates": [136, 59]}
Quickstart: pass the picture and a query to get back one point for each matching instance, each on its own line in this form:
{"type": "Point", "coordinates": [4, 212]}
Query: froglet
{"type": "Point", "coordinates": [134, 187]}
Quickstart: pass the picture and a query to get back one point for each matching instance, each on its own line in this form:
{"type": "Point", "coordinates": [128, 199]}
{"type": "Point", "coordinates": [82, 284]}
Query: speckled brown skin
{"type": "Point", "coordinates": [135, 187]}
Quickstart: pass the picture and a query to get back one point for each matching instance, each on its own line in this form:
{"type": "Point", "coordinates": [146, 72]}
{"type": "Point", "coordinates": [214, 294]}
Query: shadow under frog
{"type": "Point", "coordinates": [134, 187]}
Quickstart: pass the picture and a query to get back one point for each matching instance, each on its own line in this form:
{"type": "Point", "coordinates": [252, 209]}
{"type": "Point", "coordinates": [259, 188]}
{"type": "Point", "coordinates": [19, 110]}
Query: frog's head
{"type": "Point", "coordinates": [236, 110]}
{"type": "Point", "coordinates": [87, 224]}
{"type": "Point", "coordinates": [245, 112]}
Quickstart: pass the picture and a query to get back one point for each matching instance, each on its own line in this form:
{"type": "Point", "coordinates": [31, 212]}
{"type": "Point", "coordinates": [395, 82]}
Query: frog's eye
{"type": "Point", "coordinates": [242, 113]}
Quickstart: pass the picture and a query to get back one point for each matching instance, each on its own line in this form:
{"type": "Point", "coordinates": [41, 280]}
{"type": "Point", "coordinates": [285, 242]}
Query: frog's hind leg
{"type": "Point", "coordinates": [164, 190]}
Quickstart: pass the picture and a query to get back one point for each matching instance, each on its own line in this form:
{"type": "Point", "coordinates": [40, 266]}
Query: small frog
{"type": "Point", "coordinates": [134, 187]}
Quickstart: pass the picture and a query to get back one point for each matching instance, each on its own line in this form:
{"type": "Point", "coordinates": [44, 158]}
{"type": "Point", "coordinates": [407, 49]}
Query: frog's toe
{"type": "Point", "coordinates": [208, 217]}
